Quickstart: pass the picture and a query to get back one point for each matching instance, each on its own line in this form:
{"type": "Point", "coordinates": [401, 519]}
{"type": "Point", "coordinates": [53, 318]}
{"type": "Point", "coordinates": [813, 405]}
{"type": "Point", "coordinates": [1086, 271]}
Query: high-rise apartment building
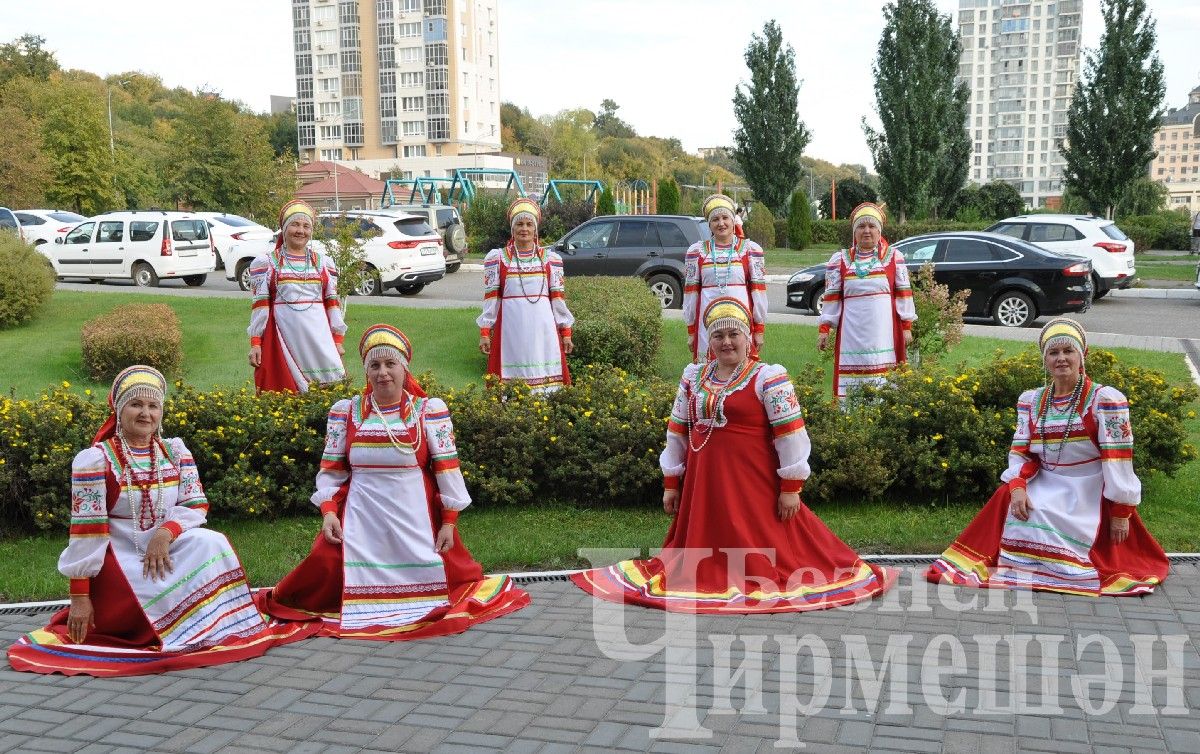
{"type": "Point", "coordinates": [396, 80]}
{"type": "Point", "coordinates": [1177, 165]}
{"type": "Point", "coordinates": [1020, 59]}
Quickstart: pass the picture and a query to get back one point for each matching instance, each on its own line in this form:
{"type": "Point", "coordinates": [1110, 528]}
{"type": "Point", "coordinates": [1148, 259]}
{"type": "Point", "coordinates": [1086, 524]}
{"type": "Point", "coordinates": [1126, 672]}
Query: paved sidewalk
{"type": "Point", "coordinates": [558, 676]}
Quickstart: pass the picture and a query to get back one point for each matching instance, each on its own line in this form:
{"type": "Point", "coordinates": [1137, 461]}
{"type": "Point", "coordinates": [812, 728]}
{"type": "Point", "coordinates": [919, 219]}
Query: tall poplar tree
{"type": "Point", "coordinates": [922, 152]}
{"type": "Point", "coordinates": [770, 136]}
{"type": "Point", "coordinates": [1115, 109]}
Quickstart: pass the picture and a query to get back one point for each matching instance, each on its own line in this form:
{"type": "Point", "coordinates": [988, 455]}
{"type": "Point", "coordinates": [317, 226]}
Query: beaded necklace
{"type": "Point", "coordinates": [722, 267]}
{"type": "Point", "coordinates": [1046, 400]}
{"type": "Point", "coordinates": [861, 269]}
{"type": "Point", "coordinates": [530, 256]}
{"type": "Point", "coordinates": [146, 516]}
{"type": "Point", "coordinates": [284, 266]}
{"type": "Point", "coordinates": [707, 374]}
{"type": "Point", "coordinates": [413, 428]}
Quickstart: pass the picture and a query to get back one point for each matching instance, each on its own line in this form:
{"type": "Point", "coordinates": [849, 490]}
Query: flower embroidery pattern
{"type": "Point", "coordinates": [1117, 427]}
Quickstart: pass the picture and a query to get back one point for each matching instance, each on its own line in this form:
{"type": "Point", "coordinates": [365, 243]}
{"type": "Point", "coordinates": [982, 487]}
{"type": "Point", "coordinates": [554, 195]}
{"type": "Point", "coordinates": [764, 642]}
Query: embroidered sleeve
{"type": "Point", "coordinates": [1022, 463]}
{"type": "Point", "coordinates": [832, 300]}
{"type": "Point", "coordinates": [443, 454]}
{"type": "Point", "coordinates": [335, 463]}
{"type": "Point", "coordinates": [1115, 440]}
{"type": "Point", "coordinates": [260, 287]}
{"type": "Point", "coordinates": [906, 309]}
{"type": "Point", "coordinates": [788, 433]}
{"type": "Point", "coordinates": [673, 459]}
{"type": "Point", "coordinates": [491, 291]}
{"type": "Point", "coordinates": [563, 319]}
{"type": "Point", "coordinates": [88, 541]}
{"type": "Point", "coordinates": [691, 285]}
{"type": "Point", "coordinates": [333, 305]}
{"type": "Point", "coordinates": [191, 506]}
{"type": "Point", "coordinates": [757, 286]}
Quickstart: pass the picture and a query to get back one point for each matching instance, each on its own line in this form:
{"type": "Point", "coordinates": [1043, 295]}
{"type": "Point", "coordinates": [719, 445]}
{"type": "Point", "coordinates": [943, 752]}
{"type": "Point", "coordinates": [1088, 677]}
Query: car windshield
{"type": "Point", "coordinates": [66, 217]}
{"type": "Point", "coordinates": [235, 221]}
{"type": "Point", "coordinates": [1112, 231]}
{"type": "Point", "coordinates": [414, 226]}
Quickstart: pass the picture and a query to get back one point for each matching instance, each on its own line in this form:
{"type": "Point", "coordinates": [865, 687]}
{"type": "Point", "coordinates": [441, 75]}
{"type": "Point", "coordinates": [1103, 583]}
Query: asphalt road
{"type": "Point", "coordinates": [1116, 313]}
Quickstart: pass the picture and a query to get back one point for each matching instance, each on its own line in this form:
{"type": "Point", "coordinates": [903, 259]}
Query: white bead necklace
{"type": "Point", "coordinates": [146, 517]}
{"type": "Point", "coordinates": [718, 407]}
{"type": "Point", "coordinates": [414, 428]}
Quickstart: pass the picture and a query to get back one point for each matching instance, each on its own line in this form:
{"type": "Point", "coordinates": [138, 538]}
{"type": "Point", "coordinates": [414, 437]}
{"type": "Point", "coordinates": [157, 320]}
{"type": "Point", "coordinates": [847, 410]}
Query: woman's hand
{"type": "Point", "coordinates": [332, 528]}
{"type": "Point", "coordinates": [759, 339]}
{"type": "Point", "coordinates": [671, 502]}
{"type": "Point", "coordinates": [789, 505]}
{"type": "Point", "coordinates": [568, 345]}
{"type": "Point", "coordinates": [341, 349]}
{"type": "Point", "coordinates": [485, 344]}
{"type": "Point", "coordinates": [692, 343]}
{"type": "Point", "coordinates": [1019, 505]}
{"type": "Point", "coordinates": [822, 341]}
{"type": "Point", "coordinates": [1119, 529]}
{"type": "Point", "coordinates": [80, 618]}
{"type": "Point", "coordinates": [157, 563]}
{"type": "Point", "coordinates": [908, 337]}
{"type": "Point", "coordinates": [445, 538]}
{"type": "Point", "coordinates": [256, 356]}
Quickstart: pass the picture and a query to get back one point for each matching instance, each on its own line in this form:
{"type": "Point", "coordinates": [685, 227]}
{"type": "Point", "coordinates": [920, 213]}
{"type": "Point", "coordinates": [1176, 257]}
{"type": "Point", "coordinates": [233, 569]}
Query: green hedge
{"type": "Point", "coordinates": [618, 322]}
{"type": "Point", "coordinates": [939, 435]}
{"type": "Point", "coordinates": [27, 282]}
{"type": "Point", "coordinates": [1168, 231]}
{"type": "Point", "coordinates": [107, 347]}
{"type": "Point", "coordinates": [838, 231]}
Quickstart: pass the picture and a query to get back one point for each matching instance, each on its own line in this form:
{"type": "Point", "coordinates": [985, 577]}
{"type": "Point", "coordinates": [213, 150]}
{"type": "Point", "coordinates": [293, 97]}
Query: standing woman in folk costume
{"type": "Point", "coordinates": [296, 325]}
{"type": "Point", "coordinates": [735, 461]}
{"type": "Point", "coordinates": [868, 301]}
{"type": "Point", "coordinates": [1065, 516]}
{"type": "Point", "coordinates": [151, 590]}
{"type": "Point", "coordinates": [388, 563]}
{"type": "Point", "coordinates": [525, 327]}
{"type": "Point", "coordinates": [728, 265]}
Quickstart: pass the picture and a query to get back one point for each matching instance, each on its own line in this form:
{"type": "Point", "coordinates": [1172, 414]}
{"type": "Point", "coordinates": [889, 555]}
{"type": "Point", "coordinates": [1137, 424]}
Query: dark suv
{"type": "Point", "coordinates": [649, 246]}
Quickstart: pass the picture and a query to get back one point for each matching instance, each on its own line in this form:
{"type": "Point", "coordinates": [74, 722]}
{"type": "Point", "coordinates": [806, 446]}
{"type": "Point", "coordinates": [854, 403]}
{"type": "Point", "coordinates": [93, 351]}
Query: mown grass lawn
{"type": "Point", "coordinates": [541, 536]}
{"type": "Point", "coordinates": [1166, 271]}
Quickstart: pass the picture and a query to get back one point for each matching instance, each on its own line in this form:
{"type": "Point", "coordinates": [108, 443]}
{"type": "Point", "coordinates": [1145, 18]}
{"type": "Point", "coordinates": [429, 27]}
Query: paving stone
{"type": "Point", "coordinates": [64, 745]}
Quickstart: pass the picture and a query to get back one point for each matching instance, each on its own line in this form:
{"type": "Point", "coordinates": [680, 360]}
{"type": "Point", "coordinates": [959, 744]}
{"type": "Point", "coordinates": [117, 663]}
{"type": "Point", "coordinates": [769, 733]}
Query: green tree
{"type": "Point", "coordinates": [851, 192]}
{"type": "Point", "coordinates": [1142, 197]}
{"type": "Point", "coordinates": [668, 197]}
{"type": "Point", "coordinates": [573, 144]}
{"type": "Point", "coordinates": [25, 168]}
{"type": "Point", "coordinates": [606, 204]}
{"type": "Point", "coordinates": [1115, 109]}
{"type": "Point", "coordinates": [770, 136]}
{"type": "Point", "coordinates": [281, 130]}
{"type": "Point", "coordinates": [799, 222]}
{"type": "Point", "coordinates": [608, 123]}
{"type": "Point", "coordinates": [24, 56]}
{"type": "Point", "coordinates": [1000, 199]}
{"type": "Point", "coordinates": [919, 153]}
{"type": "Point", "coordinates": [760, 226]}
{"type": "Point", "coordinates": [521, 132]}
{"type": "Point", "coordinates": [75, 137]}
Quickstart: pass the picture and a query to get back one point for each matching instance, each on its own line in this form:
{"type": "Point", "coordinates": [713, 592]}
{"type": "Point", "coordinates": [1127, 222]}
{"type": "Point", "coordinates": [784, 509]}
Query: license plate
{"type": "Point", "coordinates": [429, 251]}
{"type": "Point", "coordinates": [1130, 264]}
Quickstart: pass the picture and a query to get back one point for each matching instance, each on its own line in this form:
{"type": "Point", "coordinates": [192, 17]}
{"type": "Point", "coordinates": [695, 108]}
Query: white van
{"type": "Point", "coordinates": [144, 245]}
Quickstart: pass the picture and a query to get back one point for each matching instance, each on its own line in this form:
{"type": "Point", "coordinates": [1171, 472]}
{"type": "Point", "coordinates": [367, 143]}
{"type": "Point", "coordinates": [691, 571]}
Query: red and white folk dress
{"type": "Point", "coordinates": [732, 448]}
{"type": "Point", "coordinates": [710, 272]}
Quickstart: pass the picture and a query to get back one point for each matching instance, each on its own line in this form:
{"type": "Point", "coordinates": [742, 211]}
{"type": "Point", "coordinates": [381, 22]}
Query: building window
{"type": "Point", "coordinates": [325, 13]}
{"type": "Point", "coordinates": [412, 104]}
{"type": "Point", "coordinates": [387, 107]}
{"type": "Point", "coordinates": [327, 61]}
{"type": "Point", "coordinates": [330, 85]}
{"type": "Point", "coordinates": [409, 54]}
{"type": "Point", "coordinates": [405, 31]}
{"type": "Point", "coordinates": [331, 133]}
{"type": "Point", "coordinates": [415, 151]}
{"type": "Point", "coordinates": [331, 109]}
{"type": "Point", "coordinates": [387, 82]}
{"type": "Point", "coordinates": [331, 154]}
{"type": "Point", "coordinates": [413, 128]}
{"type": "Point", "coordinates": [307, 136]}
{"type": "Point", "coordinates": [410, 6]}
{"type": "Point", "coordinates": [411, 79]}
{"type": "Point", "coordinates": [387, 132]}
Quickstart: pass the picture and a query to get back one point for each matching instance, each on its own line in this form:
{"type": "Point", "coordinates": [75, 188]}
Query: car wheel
{"type": "Point", "coordinates": [243, 275]}
{"type": "Point", "coordinates": [1099, 289]}
{"type": "Point", "coordinates": [453, 268]}
{"type": "Point", "coordinates": [817, 303]}
{"type": "Point", "coordinates": [667, 289]}
{"type": "Point", "coordinates": [195, 280]}
{"type": "Point", "coordinates": [456, 238]}
{"type": "Point", "coordinates": [1013, 309]}
{"type": "Point", "coordinates": [411, 289]}
{"type": "Point", "coordinates": [144, 276]}
{"type": "Point", "coordinates": [370, 284]}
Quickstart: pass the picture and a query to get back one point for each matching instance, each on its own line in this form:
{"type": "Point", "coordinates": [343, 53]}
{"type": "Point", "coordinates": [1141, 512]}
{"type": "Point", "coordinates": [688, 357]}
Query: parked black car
{"type": "Point", "coordinates": [649, 246]}
{"type": "Point", "coordinates": [1011, 281]}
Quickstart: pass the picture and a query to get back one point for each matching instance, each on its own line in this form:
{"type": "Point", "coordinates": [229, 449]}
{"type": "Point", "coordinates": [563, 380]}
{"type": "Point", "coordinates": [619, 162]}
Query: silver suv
{"type": "Point", "coordinates": [446, 220]}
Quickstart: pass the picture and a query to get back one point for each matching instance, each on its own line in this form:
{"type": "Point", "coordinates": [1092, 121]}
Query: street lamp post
{"type": "Point", "coordinates": [112, 144]}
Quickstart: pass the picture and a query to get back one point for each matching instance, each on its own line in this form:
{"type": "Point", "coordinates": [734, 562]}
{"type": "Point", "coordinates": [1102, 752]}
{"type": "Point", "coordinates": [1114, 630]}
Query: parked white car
{"type": "Point", "coordinates": [1095, 238]}
{"type": "Point", "coordinates": [42, 226]}
{"type": "Point", "coordinates": [9, 222]}
{"type": "Point", "coordinates": [144, 246]}
{"type": "Point", "coordinates": [227, 229]}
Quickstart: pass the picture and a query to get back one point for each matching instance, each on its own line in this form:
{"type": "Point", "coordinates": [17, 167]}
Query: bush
{"type": "Point", "coordinates": [799, 221]}
{"type": "Point", "coordinates": [831, 231]}
{"type": "Point", "coordinates": [939, 325]}
{"type": "Point", "coordinates": [606, 204]}
{"type": "Point", "coordinates": [132, 334]}
{"type": "Point", "coordinates": [668, 197]}
{"type": "Point", "coordinates": [560, 217]}
{"type": "Point", "coordinates": [760, 226]}
{"type": "Point", "coordinates": [1170, 231]}
{"type": "Point", "coordinates": [486, 221]}
{"type": "Point", "coordinates": [27, 283]}
{"type": "Point", "coordinates": [781, 232]}
{"type": "Point", "coordinates": [617, 323]}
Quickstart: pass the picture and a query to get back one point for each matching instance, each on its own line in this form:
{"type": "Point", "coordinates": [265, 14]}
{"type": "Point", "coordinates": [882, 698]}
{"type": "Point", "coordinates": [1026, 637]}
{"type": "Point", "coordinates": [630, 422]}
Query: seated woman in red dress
{"type": "Point", "coordinates": [735, 461]}
{"type": "Point", "coordinates": [151, 589]}
{"type": "Point", "coordinates": [388, 563]}
{"type": "Point", "coordinates": [1065, 516]}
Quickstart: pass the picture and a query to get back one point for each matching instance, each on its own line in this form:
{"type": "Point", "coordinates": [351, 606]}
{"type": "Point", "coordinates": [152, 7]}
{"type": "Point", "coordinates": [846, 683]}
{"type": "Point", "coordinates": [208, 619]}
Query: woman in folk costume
{"type": "Point", "coordinates": [728, 265]}
{"type": "Point", "coordinates": [735, 461]}
{"type": "Point", "coordinates": [1065, 517]}
{"type": "Point", "coordinates": [525, 327]}
{"type": "Point", "coordinates": [296, 325]}
{"type": "Point", "coordinates": [151, 590]}
{"type": "Point", "coordinates": [868, 301]}
{"type": "Point", "coordinates": [388, 563]}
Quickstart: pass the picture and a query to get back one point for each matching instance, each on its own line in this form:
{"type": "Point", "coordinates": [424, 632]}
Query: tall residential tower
{"type": "Point", "coordinates": [1020, 59]}
{"type": "Point", "coordinates": [396, 80]}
